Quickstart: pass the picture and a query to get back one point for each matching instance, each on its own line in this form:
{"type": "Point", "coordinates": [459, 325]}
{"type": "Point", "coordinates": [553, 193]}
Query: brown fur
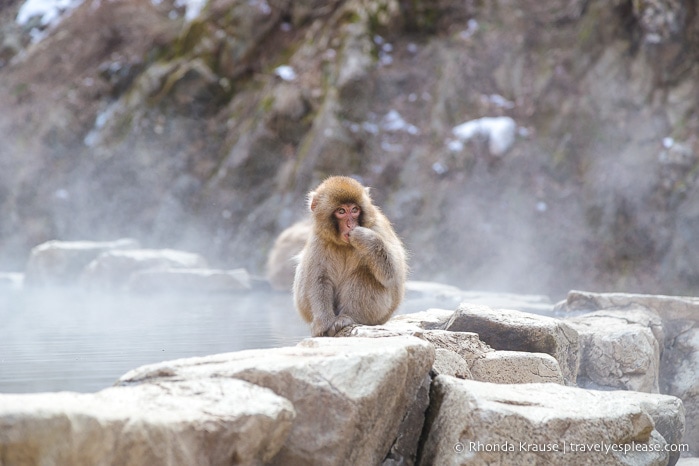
{"type": "Point", "coordinates": [360, 282]}
{"type": "Point", "coordinates": [281, 263]}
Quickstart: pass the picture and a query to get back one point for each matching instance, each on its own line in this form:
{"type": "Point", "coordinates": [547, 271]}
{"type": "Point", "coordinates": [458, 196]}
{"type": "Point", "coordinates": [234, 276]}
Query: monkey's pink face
{"type": "Point", "coordinates": [347, 216]}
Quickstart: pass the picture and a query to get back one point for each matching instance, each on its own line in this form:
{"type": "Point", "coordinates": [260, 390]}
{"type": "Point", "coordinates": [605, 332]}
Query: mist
{"type": "Point", "coordinates": [69, 339]}
{"type": "Point", "coordinates": [524, 150]}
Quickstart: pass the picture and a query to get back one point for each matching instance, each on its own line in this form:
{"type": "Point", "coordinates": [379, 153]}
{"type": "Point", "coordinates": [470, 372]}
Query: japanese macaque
{"type": "Point", "coordinates": [281, 263]}
{"type": "Point", "coordinates": [353, 268]}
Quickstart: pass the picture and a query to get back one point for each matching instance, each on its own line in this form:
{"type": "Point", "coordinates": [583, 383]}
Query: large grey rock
{"type": "Point", "coordinates": [464, 355]}
{"type": "Point", "coordinates": [193, 422]}
{"type": "Point", "coordinates": [62, 262]}
{"type": "Point", "coordinates": [668, 307]}
{"type": "Point", "coordinates": [422, 294]}
{"type": "Point", "coordinates": [472, 422]}
{"type": "Point", "coordinates": [669, 418]}
{"type": "Point", "coordinates": [680, 369]}
{"type": "Point", "coordinates": [448, 362]}
{"type": "Point", "coordinates": [504, 329]}
{"type": "Point", "coordinates": [464, 345]}
{"type": "Point", "coordinates": [508, 367]}
{"type": "Point", "coordinates": [431, 319]}
{"type": "Point", "coordinates": [351, 395]}
{"type": "Point", "coordinates": [180, 280]}
{"type": "Point", "coordinates": [113, 269]}
{"type": "Point", "coordinates": [679, 363]}
{"type": "Point", "coordinates": [619, 349]}
{"type": "Point", "coordinates": [404, 449]}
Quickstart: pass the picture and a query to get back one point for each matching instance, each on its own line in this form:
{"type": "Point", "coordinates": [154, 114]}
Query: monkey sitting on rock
{"type": "Point", "coordinates": [353, 267]}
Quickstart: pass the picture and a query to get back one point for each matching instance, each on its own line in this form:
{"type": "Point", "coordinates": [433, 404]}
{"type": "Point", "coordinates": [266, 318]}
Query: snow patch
{"type": "Point", "coordinates": [499, 131]}
{"type": "Point", "coordinates": [384, 49]}
{"type": "Point", "coordinates": [393, 121]}
{"type": "Point", "coordinates": [472, 27]}
{"type": "Point", "coordinates": [48, 13]}
{"type": "Point", "coordinates": [192, 8]}
{"type": "Point", "coordinates": [455, 145]}
{"type": "Point", "coordinates": [439, 168]}
{"type": "Point", "coordinates": [261, 5]}
{"type": "Point", "coordinates": [499, 101]}
{"type": "Point", "coordinates": [93, 137]}
{"type": "Point", "coordinates": [285, 72]}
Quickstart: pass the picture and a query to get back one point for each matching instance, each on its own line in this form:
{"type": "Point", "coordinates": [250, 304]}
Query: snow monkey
{"type": "Point", "coordinates": [281, 263]}
{"type": "Point", "coordinates": [352, 269]}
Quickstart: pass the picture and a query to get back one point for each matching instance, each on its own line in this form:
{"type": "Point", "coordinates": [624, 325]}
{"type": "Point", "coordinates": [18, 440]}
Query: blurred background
{"type": "Point", "coordinates": [523, 146]}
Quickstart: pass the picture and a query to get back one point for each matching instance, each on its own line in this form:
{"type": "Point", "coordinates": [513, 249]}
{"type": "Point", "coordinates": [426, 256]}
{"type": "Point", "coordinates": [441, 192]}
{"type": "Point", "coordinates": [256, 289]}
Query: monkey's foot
{"type": "Point", "coordinates": [341, 322]}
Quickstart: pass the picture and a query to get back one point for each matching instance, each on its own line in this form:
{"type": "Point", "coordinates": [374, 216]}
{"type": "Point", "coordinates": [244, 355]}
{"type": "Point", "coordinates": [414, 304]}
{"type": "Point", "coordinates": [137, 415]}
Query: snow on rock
{"type": "Point", "coordinates": [48, 12]}
{"type": "Point", "coordinates": [499, 131]}
{"type": "Point", "coordinates": [192, 7]}
{"type": "Point", "coordinates": [393, 121]}
{"type": "Point", "coordinates": [285, 72]}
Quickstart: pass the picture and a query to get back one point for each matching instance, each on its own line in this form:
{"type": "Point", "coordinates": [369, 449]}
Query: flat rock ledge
{"type": "Point", "coordinates": [437, 387]}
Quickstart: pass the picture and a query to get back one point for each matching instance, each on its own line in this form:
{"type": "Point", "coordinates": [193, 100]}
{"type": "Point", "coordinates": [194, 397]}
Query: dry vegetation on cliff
{"type": "Point", "coordinates": [130, 118]}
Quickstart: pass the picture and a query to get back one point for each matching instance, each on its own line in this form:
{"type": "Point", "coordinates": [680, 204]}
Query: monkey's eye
{"type": "Point", "coordinates": [341, 211]}
{"type": "Point", "coordinates": [355, 210]}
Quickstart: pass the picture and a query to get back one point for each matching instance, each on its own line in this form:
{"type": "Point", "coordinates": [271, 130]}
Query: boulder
{"type": "Point", "coordinates": [471, 422]}
{"type": "Point", "coordinates": [351, 395]}
{"type": "Point", "coordinates": [464, 355]}
{"type": "Point", "coordinates": [678, 338]}
{"type": "Point", "coordinates": [113, 269]}
{"type": "Point", "coordinates": [197, 422]}
{"type": "Point", "coordinates": [464, 345]}
{"type": "Point", "coordinates": [511, 330]}
{"type": "Point", "coordinates": [669, 418]}
{"type": "Point", "coordinates": [448, 362]}
{"type": "Point", "coordinates": [508, 367]}
{"type": "Point", "coordinates": [423, 294]}
{"type": "Point", "coordinates": [618, 349]}
{"type": "Point", "coordinates": [404, 449]}
{"type": "Point", "coordinates": [189, 281]}
{"type": "Point", "coordinates": [679, 378]}
{"type": "Point", "coordinates": [57, 263]}
{"type": "Point", "coordinates": [667, 307]}
{"type": "Point", "coordinates": [431, 319]}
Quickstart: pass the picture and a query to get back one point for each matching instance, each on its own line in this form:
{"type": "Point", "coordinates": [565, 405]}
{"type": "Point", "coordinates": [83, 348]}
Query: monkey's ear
{"type": "Point", "coordinates": [312, 200]}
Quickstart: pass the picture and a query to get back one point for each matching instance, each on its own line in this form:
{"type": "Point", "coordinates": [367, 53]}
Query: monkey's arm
{"type": "Point", "coordinates": [321, 300]}
{"type": "Point", "coordinates": [384, 256]}
{"type": "Point", "coordinates": [313, 292]}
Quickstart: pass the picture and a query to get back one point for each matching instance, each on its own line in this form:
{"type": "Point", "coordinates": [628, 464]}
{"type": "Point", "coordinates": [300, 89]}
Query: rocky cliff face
{"type": "Point", "coordinates": [203, 126]}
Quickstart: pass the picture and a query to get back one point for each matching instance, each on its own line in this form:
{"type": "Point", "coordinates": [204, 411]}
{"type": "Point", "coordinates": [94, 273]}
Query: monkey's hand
{"type": "Point", "coordinates": [364, 238]}
{"type": "Point", "coordinates": [382, 260]}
